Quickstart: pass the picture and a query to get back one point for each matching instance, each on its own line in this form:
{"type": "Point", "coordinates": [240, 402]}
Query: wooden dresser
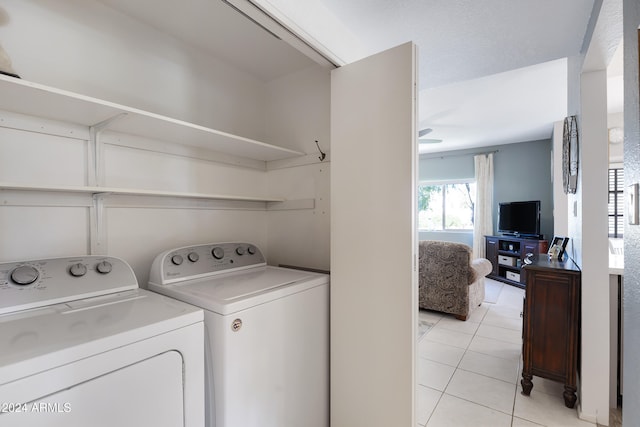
{"type": "Point", "coordinates": [551, 324]}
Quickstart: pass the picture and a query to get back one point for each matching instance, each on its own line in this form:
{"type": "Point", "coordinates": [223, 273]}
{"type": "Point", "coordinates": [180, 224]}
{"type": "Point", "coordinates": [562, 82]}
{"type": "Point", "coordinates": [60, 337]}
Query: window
{"type": "Point", "coordinates": [616, 202]}
{"type": "Point", "coordinates": [447, 206]}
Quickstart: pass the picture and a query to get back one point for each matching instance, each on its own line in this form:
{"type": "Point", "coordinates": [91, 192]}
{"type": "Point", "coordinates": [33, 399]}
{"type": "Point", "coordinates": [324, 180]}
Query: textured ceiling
{"type": "Point", "coordinates": [466, 39]}
{"type": "Point", "coordinates": [514, 106]}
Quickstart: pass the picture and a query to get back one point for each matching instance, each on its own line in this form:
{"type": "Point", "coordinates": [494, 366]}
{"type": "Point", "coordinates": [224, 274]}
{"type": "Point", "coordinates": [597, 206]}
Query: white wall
{"type": "Point", "coordinates": [616, 151]}
{"type": "Point", "coordinates": [592, 252]}
{"type": "Point", "coordinates": [85, 47]}
{"type": "Point", "coordinates": [301, 237]}
{"type": "Point", "coordinates": [297, 116]}
{"type": "Point", "coordinates": [587, 209]}
{"type": "Point", "coordinates": [35, 224]}
{"type": "Point", "coordinates": [560, 208]}
{"type": "Point", "coordinates": [298, 110]}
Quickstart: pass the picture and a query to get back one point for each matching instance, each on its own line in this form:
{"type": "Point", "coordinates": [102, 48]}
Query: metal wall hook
{"type": "Point", "coordinates": [322, 154]}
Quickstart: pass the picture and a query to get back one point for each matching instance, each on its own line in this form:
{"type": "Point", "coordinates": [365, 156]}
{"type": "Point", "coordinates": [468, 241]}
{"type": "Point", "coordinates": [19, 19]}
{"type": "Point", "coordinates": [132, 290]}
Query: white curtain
{"type": "Point", "coordinates": [483, 213]}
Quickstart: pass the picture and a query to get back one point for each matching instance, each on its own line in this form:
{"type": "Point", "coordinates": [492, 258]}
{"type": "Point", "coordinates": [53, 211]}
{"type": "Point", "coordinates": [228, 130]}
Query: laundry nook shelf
{"type": "Point", "coordinates": [33, 99]}
{"type": "Point", "coordinates": [134, 192]}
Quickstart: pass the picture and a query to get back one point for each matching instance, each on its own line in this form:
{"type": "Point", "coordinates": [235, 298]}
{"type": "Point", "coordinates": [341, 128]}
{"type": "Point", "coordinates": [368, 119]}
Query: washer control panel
{"type": "Point", "coordinates": [37, 283]}
{"type": "Point", "coordinates": [204, 260]}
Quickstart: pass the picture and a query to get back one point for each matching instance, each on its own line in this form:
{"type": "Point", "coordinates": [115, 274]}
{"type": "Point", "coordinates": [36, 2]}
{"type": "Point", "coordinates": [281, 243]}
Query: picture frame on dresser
{"type": "Point", "coordinates": [557, 247]}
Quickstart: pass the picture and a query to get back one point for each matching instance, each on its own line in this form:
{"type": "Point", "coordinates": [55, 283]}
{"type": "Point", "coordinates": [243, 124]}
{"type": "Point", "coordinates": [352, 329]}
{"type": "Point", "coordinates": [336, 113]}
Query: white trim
{"type": "Point", "coordinates": [592, 418]}
{"type": "Point", "coordinates": [447, 181]}
{"type": "Point", "coordinates": [268, 16]}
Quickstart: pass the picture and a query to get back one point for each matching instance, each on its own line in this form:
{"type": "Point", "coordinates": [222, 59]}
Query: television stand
{"type": "Point", "coordinates": [523, 236]}
{"type": "Point", "coordinates": [507, 255]}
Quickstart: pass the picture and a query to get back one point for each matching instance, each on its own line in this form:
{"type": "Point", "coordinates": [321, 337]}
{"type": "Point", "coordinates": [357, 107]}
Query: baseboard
{"type": "Point", "coordinates": [592, 418]}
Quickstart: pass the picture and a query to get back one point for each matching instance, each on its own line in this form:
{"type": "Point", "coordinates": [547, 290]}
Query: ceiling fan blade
{"type": "Point", "coordinates": [424, 132]}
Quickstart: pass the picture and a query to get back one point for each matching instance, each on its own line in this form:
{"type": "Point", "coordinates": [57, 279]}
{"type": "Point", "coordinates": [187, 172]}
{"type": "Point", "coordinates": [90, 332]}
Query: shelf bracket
{"type": "Point", "coordinates": [95, 152]}
{"type": "Point", "coordinates": [98, 231]}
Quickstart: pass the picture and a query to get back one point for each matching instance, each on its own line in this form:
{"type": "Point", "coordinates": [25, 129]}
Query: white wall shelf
{"type": "Point", "coordinates": [133, 192]}
{"type": "Point", "coordinates": [34, 99]}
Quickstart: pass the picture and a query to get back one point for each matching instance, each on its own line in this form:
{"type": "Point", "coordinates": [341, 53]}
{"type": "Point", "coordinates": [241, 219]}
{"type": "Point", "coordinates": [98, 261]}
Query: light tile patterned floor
{"type": "Point", "coordinates": [469, 372]}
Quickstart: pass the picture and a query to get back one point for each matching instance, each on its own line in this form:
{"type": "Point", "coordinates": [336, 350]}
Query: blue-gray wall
{"type": "Point", "coordinates": [522, 172]}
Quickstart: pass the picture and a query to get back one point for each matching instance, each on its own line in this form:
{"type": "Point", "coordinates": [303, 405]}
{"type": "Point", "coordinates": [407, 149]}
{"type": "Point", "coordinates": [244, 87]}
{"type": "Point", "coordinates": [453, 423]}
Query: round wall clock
{"type": "Point", "coordinates": [570, 155]}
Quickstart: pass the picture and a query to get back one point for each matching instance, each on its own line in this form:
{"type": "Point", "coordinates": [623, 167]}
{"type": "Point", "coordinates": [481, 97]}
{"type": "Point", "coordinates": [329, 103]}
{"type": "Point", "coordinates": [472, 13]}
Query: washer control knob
{"type": "Point", "coordinates": [251, 249]}
{"type": "Point", "coordinates": [193, 256]}
{"type": "Point", "coordinates": [104, 267]}
{"type": "Point", "coordinates": [217, 252]}
{"type": "Point", "coordinates": [176, 259]}
{"type": "Point", "coordinates": [240, 250]}
{"type": "Point", "coordinates": [24, 275]}
{"type": "Point", "coordinates": [78, 270]}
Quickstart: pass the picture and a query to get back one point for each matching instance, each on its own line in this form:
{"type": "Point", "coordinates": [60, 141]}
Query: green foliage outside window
{"type": "Point", "coordinates": [446, 206]}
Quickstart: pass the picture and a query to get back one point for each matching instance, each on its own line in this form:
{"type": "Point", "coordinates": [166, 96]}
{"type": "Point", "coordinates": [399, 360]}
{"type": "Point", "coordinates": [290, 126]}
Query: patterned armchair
{"type": "Point", "coordinates": [449, 280]}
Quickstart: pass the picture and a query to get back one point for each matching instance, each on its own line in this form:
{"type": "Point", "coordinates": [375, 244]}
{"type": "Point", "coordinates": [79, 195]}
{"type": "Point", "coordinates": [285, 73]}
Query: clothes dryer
{"type": "Point", "coordinates": [81, 346]}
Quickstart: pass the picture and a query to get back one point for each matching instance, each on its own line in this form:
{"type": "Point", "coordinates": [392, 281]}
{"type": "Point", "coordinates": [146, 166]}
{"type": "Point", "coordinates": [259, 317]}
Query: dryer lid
{"type": "Point", "coordinates": [43, 338]}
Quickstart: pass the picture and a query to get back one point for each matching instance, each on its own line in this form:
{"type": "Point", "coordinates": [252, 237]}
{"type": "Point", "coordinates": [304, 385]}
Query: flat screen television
{"type": "Point", "coordinates": [519, 218]}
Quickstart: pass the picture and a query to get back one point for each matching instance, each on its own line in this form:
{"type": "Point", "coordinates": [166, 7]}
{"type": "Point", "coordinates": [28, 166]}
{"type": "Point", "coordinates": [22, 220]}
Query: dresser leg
{"type": "Point", "coordinates": [569, 396]}
{"type": "Point", "coordinates": [526, 383]}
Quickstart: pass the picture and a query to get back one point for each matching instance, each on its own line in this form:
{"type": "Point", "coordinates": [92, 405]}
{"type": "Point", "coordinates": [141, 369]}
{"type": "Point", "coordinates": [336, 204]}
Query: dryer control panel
{"type": "Point", "coordinates": [42, 282]}
{"type": "Point", "coordinates": [192, 262]}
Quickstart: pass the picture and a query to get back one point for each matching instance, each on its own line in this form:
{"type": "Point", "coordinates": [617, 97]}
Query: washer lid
{"type": "Point", "coordinates": [39, 339]}
{"type": "Point", "coordinates": [228, 293]}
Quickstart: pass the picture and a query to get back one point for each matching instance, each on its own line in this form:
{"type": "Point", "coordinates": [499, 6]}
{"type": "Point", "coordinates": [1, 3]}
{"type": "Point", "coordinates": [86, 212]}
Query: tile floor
{"type": "Point", "coordinates": [468, 372]}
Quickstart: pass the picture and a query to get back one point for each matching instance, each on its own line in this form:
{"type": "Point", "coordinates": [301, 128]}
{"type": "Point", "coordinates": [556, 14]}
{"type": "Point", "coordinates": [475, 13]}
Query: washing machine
{"type": "Point", "coordinates": [81, 345]}
{"type": "Point", "coordinates": [266, 329]}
